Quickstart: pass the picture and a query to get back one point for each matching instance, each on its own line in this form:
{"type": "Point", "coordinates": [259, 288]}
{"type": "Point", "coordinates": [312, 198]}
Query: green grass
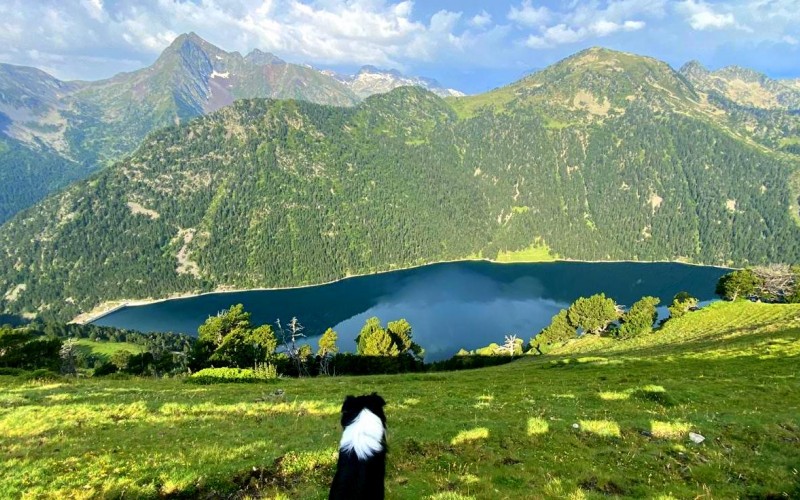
{"type": "Point", "coordinates": [605, 418]}
{"type": "Point", "coordinates": [788, 141]}
{"type": "Point", "coordinates": [496, 100]}
{"type": "Point", "coordinates": [106, 350]}
{"type": "Point", "coordinates": [537, 252]}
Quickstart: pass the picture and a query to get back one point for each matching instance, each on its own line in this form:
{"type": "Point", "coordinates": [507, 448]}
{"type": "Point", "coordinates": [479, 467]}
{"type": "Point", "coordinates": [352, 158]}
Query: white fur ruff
{"type": "Point", "coordinates": [363, 435]}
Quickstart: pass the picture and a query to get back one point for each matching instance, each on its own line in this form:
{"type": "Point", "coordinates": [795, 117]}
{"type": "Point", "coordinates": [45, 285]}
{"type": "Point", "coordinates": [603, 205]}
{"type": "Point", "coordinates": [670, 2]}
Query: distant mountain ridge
{"type": "Point", "coordinates": [745, 86]}
{"type": "Point", "coordinates": [603, 156]}
{"type": "Point", "coordinates": [370, 81]}
{"type": "Point", "coordinates": [750, 103]}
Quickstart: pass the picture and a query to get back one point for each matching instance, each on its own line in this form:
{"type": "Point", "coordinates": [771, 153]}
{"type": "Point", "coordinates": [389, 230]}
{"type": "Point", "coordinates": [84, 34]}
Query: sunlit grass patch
{"type": "Point", "coordinates": [11, 399]}
{"type": "Point", "coordinates": [614, 396]}
{"type": "Point", "coordinates": [604, 428]}
{"type": "Point", "coordinates": [484, 401]}
{"type": "Point", "coordinates": [469, 478]}
{"type": "Point", "coordinates": [592, 359]}
{"type": "Point", "coordinates": [303, 462]}
{"type": "Point", "coordinates": [537, 426]}
{"type": "Point", "coordinates": [537, 252]}
{"type": "Point", "coordinates": [470, 435]}
{"type": "Point", "coordinates": [449, 495]}
{"type": "Point", "coordinates": [584, 362]}
{"type": "Point", "coordinates": [554, 488]}
{"type": "Point", "coordinates": [669, 430]}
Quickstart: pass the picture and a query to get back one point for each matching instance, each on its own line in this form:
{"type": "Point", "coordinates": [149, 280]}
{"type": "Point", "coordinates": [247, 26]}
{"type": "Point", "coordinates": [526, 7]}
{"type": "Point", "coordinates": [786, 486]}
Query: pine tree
{"type": "Point", "coordinates": [640, 318]}
{"type": "Point", "coordinates": [592, 314]}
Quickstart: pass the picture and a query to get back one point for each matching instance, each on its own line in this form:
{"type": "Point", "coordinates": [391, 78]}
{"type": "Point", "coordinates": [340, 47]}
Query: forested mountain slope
{"type": "Point", "coordinates": [83, 125]}
{"type": "Point", "coordinates": [602, 156]}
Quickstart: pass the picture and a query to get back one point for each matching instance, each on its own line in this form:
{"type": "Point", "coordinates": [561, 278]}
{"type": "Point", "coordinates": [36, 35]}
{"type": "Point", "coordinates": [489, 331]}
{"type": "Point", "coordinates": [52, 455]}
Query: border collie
{"type": "Point", "coordinates": [362, 450]}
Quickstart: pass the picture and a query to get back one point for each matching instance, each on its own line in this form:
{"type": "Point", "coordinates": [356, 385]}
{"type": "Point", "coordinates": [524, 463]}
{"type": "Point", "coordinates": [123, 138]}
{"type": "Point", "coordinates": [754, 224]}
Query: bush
{"type": "Point", "coordinates": [105, 369]}
{"type": "Point", "coordinates": [11, 371]}
{"type": "Point", "coordinates": [264, 373]}
{"type": "Point", "coordinates": [682, 303]}
{"type": "Point", "coordinates": [738, 284]}
{"type": "Point", "coordinates": [41, 374]}
{"type": "Point", "coordinates": [354, 364]}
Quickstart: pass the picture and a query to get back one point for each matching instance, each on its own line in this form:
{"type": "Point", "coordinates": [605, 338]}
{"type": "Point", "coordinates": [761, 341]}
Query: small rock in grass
{"type": "Point", "coordinates": [696, 438]}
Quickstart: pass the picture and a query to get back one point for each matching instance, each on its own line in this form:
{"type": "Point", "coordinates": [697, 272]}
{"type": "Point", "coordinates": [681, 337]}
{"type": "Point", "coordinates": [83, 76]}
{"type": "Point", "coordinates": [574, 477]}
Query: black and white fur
{"type": "Point", "coordinates": [361, 467]}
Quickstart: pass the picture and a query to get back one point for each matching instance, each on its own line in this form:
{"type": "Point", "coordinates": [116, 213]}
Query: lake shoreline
{"type": "Point", "coordinates": [109, 307]}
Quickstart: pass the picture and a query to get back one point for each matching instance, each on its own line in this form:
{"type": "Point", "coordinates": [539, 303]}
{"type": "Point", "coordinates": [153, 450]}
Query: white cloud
{"type": "Point", "coordinates": [529, 15]}
{"type": "Point", "coordinates": [381, 32]}
{"type": "Point", "coordinates": [590, 20]}
{"type": "Point", "coordinates": [482, 20]}
{"type": "Point", "coordinates": [95, 9]}
{"type": "Point", "coordinates": [701, 16]}
{"type": "Point", "coordinates": [562, 34]}
{"type": "Point", "coordinates": [97, 38]}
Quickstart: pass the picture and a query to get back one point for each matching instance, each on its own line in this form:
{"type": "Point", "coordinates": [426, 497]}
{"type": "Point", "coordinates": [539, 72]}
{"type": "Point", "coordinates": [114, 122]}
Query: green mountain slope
{"type": "Point", "coordinates": [275, 193]}
{"type": "Point", "coordinates": [87, 124]}
{"type": "Point", "coordinates": [614, 423]}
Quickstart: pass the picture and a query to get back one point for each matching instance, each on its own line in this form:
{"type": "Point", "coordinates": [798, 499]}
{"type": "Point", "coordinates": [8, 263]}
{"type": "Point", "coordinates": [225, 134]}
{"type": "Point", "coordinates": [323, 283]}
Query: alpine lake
{"type": "Point", "coordinates": [450, 306]}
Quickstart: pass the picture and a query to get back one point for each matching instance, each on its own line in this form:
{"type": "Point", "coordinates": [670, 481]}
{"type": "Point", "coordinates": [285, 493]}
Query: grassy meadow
{"type": "Point", "coordinates": [105, 350]}
{"type": "Point", "coordinates": [602, 418]}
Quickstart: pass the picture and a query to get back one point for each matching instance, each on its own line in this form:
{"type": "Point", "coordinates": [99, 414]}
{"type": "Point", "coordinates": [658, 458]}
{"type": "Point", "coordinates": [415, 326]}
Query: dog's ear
{"type": "Point", "coordinates": [379, 399]}
{"type": "Point", "coordinates": [348, 401]}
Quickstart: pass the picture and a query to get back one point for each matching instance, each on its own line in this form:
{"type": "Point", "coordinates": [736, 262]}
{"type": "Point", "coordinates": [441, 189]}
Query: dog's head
{"type": "Point", "coordinates": [353, 405]}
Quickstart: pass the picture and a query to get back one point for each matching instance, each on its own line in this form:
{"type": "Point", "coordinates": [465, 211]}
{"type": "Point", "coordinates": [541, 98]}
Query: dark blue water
{"type": "Point", "coordinates": [449, 306]}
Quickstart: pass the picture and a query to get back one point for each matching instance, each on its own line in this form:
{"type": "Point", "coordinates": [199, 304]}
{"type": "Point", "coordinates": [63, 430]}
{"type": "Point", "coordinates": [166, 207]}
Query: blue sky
{"type": "Point", "coordinates": [468, 45]}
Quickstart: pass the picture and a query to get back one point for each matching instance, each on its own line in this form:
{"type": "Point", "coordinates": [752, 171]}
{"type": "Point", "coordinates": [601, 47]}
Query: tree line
{"type": "Point", "coordinates": [230, 340]}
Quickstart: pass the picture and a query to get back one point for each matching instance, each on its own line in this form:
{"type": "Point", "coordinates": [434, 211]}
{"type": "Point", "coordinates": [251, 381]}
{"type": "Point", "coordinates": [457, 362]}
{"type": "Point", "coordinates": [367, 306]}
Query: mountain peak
{"type": "Point", "coordinates": [694, 68]}
{"type": "Point", "coordinates": [189, 41]}
{"type": "Point", "coordinates": [372, 70]}
{"type": "Point", "coordinates": [601, 59]}
{"type": "Point", "coordinates": [744, 74]}
{"type": "Point", "coordinates": [261, 58]}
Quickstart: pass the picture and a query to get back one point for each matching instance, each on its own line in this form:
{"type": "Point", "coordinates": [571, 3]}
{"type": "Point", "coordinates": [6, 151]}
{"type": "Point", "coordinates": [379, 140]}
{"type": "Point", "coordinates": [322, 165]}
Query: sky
{"type": "Point", "coordinates": [472, 46]}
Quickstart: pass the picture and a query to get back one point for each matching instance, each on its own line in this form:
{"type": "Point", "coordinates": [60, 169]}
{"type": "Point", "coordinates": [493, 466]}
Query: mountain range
{"type": "Point", "coordinates": [370, 81]}
{"type": "Point", "coordinates": [605, 155]}
{"type": "Point", "coordinates": [54, 132]}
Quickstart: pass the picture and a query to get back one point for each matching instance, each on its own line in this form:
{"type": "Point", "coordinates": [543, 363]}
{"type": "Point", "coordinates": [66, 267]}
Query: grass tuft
{"type": "Point", "coordinates": [669, 430]}
{"type": "Point", "coordinates": [470, 435]}
{"type": "Point", "coordinates": [603, 428]}
{"type": "Point", "coordinates": [537, 426]}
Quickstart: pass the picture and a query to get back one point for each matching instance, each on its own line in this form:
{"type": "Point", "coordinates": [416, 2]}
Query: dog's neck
{"type": "Point", "coordinates": [364, 435]}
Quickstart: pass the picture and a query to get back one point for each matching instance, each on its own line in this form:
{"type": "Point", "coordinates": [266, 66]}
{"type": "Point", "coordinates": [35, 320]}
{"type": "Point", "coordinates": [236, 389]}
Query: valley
{"type": "Point", "coordinates": [591, 206]}
{"type": "Point", "coordinates": [603, 156]}
{"type": "Point", "coordinates": [568, 258]}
